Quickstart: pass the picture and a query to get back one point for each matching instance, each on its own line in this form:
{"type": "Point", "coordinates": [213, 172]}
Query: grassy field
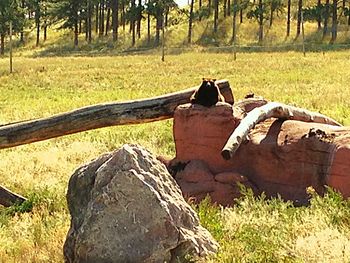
{"type": "Point", "coordinates": [255, 230]}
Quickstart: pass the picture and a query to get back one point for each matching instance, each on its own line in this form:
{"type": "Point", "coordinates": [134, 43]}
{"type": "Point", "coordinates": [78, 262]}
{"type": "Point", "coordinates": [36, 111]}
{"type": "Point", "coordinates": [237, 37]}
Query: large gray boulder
{"type": "Point", "coordinates": [126, 207]}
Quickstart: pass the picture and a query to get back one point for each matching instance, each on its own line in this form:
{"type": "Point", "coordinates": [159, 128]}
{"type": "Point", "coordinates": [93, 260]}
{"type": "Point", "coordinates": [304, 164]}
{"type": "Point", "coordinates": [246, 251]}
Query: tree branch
{"type": "Point", "coordinates": [100, 115]}
{"type": "Point", "coordinates": [8, 198]}
{"type": "Point", "coordinates": [270, 110]}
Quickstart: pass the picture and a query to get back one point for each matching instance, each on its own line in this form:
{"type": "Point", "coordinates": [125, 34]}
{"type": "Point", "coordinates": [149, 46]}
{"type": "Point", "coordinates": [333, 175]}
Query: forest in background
{"type": "Point", "coordinates": [143, 21]}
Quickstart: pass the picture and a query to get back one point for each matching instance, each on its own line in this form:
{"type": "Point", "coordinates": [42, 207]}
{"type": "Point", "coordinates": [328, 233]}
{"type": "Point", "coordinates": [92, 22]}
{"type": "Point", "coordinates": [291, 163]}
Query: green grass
{"type": "Point", "coordinates": [260, 230]}
{"type": "Point", "coordinates": [254, 230]}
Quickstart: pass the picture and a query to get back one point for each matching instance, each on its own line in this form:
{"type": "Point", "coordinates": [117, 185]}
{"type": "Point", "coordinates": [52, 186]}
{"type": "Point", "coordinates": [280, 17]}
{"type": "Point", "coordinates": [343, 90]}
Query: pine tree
{"type": "Point", "coordinates": [10, 10]}
{"type": "Point", "coordinates": [69, 11]}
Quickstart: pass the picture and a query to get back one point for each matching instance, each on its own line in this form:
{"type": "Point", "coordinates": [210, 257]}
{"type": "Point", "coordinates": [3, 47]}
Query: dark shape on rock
{"type": "Point", "coordinates": [320, 135]}
{"type": "Point", "coordinates": [249, 95]}
{"type": "Point", "coordinates": [208, 94]}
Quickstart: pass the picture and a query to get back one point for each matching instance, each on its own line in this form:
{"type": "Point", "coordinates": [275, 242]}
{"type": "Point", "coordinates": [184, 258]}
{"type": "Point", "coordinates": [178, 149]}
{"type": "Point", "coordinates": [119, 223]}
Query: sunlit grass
{"type": "Point", "coordinates": [41, 87]}
{"type": "Point", "coordinates": [260, 230]}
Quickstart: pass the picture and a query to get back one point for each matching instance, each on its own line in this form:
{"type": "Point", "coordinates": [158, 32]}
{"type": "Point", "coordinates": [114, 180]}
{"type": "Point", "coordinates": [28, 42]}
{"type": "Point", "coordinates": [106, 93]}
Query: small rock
{"type": "Point", "coordinates": [194, 172]}
{"type": "Point", "coordinates": [230, 178]}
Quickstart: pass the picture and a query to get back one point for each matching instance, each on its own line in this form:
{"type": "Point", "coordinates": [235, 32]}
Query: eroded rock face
{"type": "Point", "coordinates": [197, 182]}
{"type": "Point", "coordinates": [126, 207]}
{"type": "Point", "coordinates": [201, 132]}
{"type": "Point", "coordinates": [280, 157]}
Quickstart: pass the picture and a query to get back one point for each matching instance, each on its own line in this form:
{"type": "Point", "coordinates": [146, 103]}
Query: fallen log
{"type": "Point", "coordinates": [100, 115]}
{"type": "Point", "coordinates": [270, 110]}
{"type": "Point", "coordinates": [8, 198]}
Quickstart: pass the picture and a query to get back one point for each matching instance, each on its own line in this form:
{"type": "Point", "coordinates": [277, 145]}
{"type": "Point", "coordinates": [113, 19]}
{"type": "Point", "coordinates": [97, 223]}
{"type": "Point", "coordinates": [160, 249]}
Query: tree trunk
{"type": "Point", "coordinates": [319, 16]}
{"type": "Point", "coordinates": [209, 7]}
{"type": "Point", "coordinates": [326, 16]}
{"type": "Point", "coordinates": [45, 30]}
{"type": "Point", "coordinates": [22, 33]}
{"type": "Point", "coordinates": [115, 7]}
{"type": "Point", "coordinates": [108, 20]}
{"type": "Point", "coordinates": [200, 9]}
{"type": "Point", "coordinates": [8, 198]}
{"type": "Point", "coordinates": [148, 27]}
{"type": "Point", "coordinates": [80, 26]}
{"type": "Point", "coordinates": [349, 15]}
{"type": "Point", "coordinates": [123, 16]}
{"type": "Point", "coordinates": [241, 16]}
{"type": "Point", "coordinates": [225, 7]}
{"type": "Point", "coordinates": [334, 21]}
{"type": "Point", "coordinates": [89, 14]}
{"type": "Point", "coordinates": [133, 24]}
{"type": "Point", "coordinates": [166, 17]}
{"type": "Point", "coordinates": [97, 22]}
{"type": "Point", "coordinates": [288, 17]}
{"type": "Point", "coordinates": [271, 14]}
{"type": "Point", "coordinates": [133, 28]}
{"type": "Point", "coordinates": [2, 44]}
{"type": "Point", "coordinates": [139, 18]}
{"type": "Point", "coordinates": [300, 6]}
{"type": "Point", "coordinates": [234, 30]}
{"type": "Point", "coordinates": [261, 22]}
{"type": "Point", "coordinates": [76, 33]}
{"type": "Point", "coordinates": [37, 23]}
{"type": "Point", "coordinates": [216, 15]}
{"type": "Point", "coordinates": [228, 7]}
{"type": "Point", "coordinates": [270, 110]}
{"type": "Point", "coordinates": [102, 18]}
{"type": "Point", "coordinates": [101, 115]}
{"type": "Point", "coordinates": [87, 25]}
{"type": "Point", "coordinates": [159, 24]}
{"type": "Point", "coordinates": [189, 39]}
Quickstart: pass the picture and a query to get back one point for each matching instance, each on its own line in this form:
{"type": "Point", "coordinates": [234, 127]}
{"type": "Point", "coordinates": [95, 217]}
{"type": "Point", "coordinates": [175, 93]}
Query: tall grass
{"type": "Point", "coordinates": [41, 87]}
{"type": "Point", "coordinates": [260, 230]}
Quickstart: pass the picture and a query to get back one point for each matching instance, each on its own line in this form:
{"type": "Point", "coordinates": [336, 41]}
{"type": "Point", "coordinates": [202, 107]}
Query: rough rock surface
{"type": "Point", "coordinates": [201, 132]}
{"type": "Point", "coordinates": [281, 157]}
{"type": "Point", "coordinates": [197, 181]}
{"type": "Point", "coordinates": [126, 207]}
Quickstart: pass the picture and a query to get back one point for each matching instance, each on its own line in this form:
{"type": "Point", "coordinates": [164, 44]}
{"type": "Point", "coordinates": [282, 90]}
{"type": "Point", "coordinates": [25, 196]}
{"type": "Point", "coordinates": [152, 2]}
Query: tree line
{"type": "Point", "coordinates": [103, 17]}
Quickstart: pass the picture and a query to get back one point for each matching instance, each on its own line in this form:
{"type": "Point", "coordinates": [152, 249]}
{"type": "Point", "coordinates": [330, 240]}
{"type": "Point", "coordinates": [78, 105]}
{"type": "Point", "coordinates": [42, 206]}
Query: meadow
{"type": "Point", "coordinates": [254, 230]}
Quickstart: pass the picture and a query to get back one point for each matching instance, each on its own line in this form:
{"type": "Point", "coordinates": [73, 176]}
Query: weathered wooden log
{"type": "Point", "coordinates": [8, 198]}
{"type": "Point", "coordinates": [270, 110]}
{"type": "Point", "coordinates": [100, 115]}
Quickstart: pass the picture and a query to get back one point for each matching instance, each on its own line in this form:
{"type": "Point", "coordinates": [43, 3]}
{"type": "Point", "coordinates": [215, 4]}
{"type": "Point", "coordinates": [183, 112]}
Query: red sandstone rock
{"type": "Point", "coordinates": [224, 194]}
{"type": "Point", "coordinates": [194, 172]}
{"type": "Point", "coordinates": [230, 178]}
{"type": "Point", "coordinates": [249, 104]}
{"type": "Point", "coordinates": [196, 191]}
{"type": "Point", "coordinates": [340, 169]}
{"type": "Point", "coordinates": [200, 133]}
{"type": "Point", "coordinates": [278, 158]}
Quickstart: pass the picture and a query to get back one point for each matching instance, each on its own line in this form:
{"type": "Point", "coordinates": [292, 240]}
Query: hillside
{"type": "Point", "coordinates": [60, 42]}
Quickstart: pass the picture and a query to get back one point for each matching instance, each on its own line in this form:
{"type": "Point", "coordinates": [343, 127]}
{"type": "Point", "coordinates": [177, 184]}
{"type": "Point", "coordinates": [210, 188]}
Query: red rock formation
{"type": "Point", "coordinates": [197, 181]}
{"type": "Point", "coordinates": [201, 132]}
{"type": "Point", "coordinates": [281, 157]}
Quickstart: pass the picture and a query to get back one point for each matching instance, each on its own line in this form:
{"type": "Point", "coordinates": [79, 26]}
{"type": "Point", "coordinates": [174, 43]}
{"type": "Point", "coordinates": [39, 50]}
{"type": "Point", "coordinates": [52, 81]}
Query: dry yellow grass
{"type": "Point", "coordinates": [45, 86]}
